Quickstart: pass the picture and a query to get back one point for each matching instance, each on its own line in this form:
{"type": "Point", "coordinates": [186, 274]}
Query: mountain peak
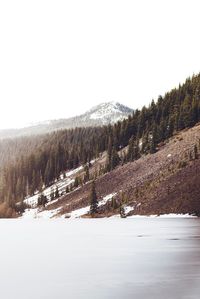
{"type": "Point", "coordinates": [109, 112]}
{"type": "Point", "coordinates": [100, 115]}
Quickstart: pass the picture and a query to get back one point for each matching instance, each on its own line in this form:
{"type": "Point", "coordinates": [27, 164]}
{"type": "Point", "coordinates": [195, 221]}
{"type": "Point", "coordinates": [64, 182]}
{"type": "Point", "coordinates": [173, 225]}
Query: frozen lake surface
{"type": "Point", "coordinates": [141, 258]}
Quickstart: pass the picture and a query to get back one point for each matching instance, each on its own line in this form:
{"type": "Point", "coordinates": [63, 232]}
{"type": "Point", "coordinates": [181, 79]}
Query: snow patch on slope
{"type": "Point", "coordinates": [64, 181]}
{"type": "Point", "coordinates": [128, 209]}
{"type": "Point", "coordinates": [83, 211]}
{"type": "Point", "coordinates": [37, 214]}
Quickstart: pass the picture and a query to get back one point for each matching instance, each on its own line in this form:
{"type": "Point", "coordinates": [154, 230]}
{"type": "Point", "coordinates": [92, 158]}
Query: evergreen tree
{"type": "Point", "coordinates": [114, 204]}
{"type": "Point", "coordinates": [93, 200]}
{"type": "Point", "coordinates": [109, 153]}
{"type": "Point", "coordinates": [87, 174]}
{"type": "Point", "coordinates": [76, 182]}
{"type": "Point", "coordinates": [152, 144]}
{"type": "Point", "coordinates": [195, 152]}
{"type": "Point", "coordinates": [130, 154]}
{"type": "Point", "coordinates": [57, 193]}
{"type": "Point", "coordinates": [52, 194]}
{"type": "Point", "coordinates": [42, 200]}
{"type": "Point", "coordinates": [40, 183]}
{"type": "Point", "coordinates": [115, 159]}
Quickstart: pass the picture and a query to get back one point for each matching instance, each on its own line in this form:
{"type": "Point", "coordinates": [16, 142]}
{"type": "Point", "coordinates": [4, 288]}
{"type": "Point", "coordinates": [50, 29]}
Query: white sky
{"type": "Point", "coordinates": [59, 58]}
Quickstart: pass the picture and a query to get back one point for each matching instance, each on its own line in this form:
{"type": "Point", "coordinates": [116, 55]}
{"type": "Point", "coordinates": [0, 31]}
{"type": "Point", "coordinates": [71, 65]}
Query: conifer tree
{"type": "Point", "coordinates": [40, 183]}
{"type": "Point", "coordinates": [195, 152]}
{"type": "Point", "coordinates": [42, 200]}
{"type": "Point", "coordinates": [93, 200]}
{"type": "Point", "coordinates": [76, 182]}
{"type": "Point", "coordinates": [57, 193]}
{"type": "Point", "coordinates": [130, 154]}
{"type": "Point", "coordinates": [87, 174]}
{"type": "Point", "coordinates": [114, 204]}
{"type": "Point", "coordinates": [115, 159]}
{"type": "Point", "coordinates": [109, 153]}
{"type": "Point", "coordinates": [152, 144]}
{"type": "Point", "coordinates": [52, 194]}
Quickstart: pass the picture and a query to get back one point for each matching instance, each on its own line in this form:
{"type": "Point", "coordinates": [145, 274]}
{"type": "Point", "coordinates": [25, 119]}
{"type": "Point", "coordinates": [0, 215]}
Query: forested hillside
{"type": "Point", "coordinates": [161, 183]}
{"type": "Point", "coordinates": [35, 163]}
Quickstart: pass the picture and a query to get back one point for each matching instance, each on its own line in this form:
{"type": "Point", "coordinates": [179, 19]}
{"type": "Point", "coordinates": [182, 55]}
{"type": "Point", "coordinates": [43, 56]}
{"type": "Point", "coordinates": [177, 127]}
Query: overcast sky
{"type": "Point", "coordinates": [59, 58]}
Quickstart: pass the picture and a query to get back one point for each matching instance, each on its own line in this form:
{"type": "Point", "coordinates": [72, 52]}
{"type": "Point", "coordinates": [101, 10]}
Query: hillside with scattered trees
{"type": "Point", "coordinates": [160, 183]}
{"type": "Point", "coordinates": [28, 165]}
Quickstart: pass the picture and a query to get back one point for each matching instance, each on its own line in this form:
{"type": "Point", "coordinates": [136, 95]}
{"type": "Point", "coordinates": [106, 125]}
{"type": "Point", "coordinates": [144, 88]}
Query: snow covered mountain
{"type": "Point", "coordinates": [106, 113]}
{"type": "Point", "coordinates": [103, 114]}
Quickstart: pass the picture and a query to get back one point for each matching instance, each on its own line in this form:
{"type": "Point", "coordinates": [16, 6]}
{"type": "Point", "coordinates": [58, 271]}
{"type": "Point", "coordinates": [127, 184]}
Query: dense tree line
{"type": "Point", "coordinates": [12, 149]}
{"type": "Point", "coordinates": [39, 161]}
{"type": "Point", "coordinates": [57, 152]}
{"type": "Point", "coordinates": [145, 129]}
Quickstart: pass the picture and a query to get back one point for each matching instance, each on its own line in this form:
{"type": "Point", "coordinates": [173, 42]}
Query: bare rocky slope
{"type": "Point", "coordinates": [165, 182]}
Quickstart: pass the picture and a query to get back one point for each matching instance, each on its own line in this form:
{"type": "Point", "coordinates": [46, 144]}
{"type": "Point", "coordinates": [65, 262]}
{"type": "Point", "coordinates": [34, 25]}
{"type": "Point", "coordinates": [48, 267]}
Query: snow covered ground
{"type": "Point", "coordinates": [165, 216]}
{"type": "Point", "coordinates": [47, 214]}
{"type": "Point", "coordinates": [128, 209]}
{"type": "Point", "coordinates": [36, 213]}
{"type": "Point", "coordinates": [83, 211]}
{"type": "Point", "coordinates": [150, 258]}
{"type": "Point", "coordinates": [66, 180]}
{"type": "Point", "coordinates": [61, 184]}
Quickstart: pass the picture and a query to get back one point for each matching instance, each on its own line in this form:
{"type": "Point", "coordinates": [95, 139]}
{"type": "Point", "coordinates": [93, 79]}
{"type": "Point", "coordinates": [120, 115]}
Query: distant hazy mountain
{"type": "Point", "coordinates": [99, 115]}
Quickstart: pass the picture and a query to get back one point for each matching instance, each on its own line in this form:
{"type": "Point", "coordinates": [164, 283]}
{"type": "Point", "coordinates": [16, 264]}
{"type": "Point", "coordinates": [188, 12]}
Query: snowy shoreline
{"type": "Point", "coordinates": [50, 215]}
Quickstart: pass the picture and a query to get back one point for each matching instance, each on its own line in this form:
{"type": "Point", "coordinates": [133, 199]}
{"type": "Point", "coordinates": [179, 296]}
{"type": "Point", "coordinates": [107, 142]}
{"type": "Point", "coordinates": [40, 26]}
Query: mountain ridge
{"type": "Point", "coordinates": [99, 115]}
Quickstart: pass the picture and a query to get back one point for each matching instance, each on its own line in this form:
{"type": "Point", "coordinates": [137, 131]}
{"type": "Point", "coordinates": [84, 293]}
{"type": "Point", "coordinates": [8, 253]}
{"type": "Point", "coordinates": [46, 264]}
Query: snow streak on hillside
{"type": "Point", "coordinates": [64, 181]}
{"type": "Point", "coordinates": [47, 214]}
{"type": "Point", "coordinates": [83, 211]}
